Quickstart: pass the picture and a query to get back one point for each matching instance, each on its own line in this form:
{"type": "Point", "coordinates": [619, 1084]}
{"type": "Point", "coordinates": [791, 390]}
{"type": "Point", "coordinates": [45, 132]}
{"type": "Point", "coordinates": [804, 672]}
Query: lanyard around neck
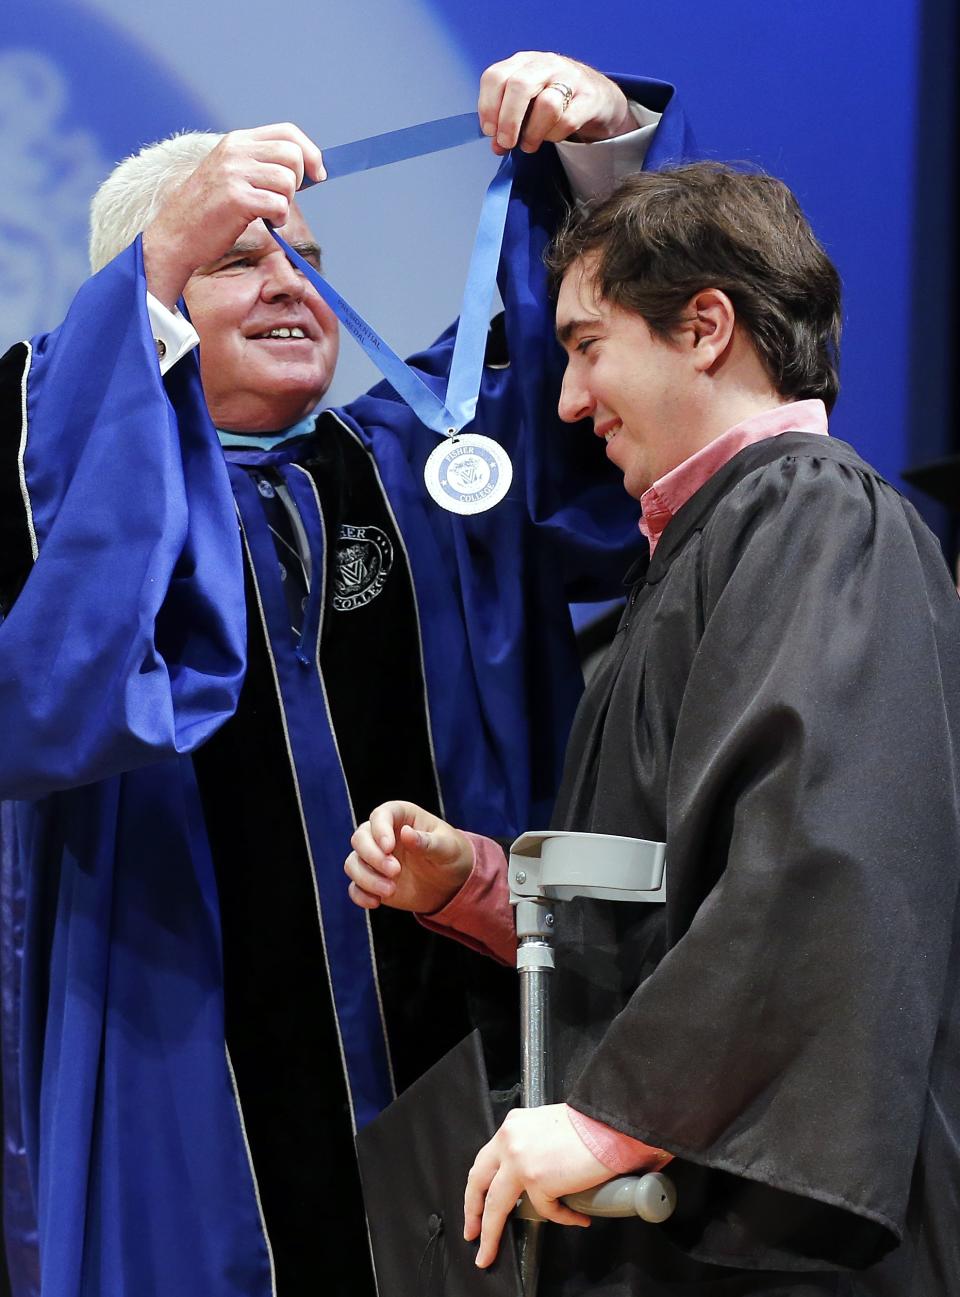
{"type": "Point", "coordinates": [447, 416]}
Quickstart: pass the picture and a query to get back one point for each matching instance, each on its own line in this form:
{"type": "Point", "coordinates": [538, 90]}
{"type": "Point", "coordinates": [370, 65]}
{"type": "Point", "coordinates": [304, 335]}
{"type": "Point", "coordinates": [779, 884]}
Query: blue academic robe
{"type": "Point", "coordinates": [122, 650]}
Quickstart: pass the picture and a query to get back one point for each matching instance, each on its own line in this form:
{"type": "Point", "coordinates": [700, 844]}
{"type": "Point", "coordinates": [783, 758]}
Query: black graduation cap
{"type": "Point", "coordinates": [414, 1159]}
{"type": "Point", "coordinates": [940, 479]}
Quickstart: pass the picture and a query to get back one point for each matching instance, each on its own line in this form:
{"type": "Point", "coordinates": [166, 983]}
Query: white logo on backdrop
{"type": "Point", "coordinates": [49, 171]}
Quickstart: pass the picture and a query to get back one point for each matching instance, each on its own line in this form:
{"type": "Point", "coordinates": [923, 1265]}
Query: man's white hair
{"type": "Point", "coordinates": [131, 195]}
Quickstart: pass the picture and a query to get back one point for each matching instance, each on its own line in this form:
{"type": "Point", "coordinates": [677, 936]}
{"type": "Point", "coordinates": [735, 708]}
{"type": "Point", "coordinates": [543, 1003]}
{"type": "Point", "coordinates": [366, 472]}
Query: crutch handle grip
{"type": "Point", "coordinates": [652, 1197]}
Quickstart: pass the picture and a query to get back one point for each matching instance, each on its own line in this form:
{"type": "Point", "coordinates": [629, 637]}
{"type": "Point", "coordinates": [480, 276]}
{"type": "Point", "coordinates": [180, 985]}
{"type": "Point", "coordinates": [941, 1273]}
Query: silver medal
{"type": "Point", "coordinates": [468, 473]}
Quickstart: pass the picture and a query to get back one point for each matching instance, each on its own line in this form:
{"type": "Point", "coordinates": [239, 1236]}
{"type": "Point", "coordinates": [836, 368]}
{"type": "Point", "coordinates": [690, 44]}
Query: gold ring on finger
{"type": "Point", "coordinates": [565, 90]}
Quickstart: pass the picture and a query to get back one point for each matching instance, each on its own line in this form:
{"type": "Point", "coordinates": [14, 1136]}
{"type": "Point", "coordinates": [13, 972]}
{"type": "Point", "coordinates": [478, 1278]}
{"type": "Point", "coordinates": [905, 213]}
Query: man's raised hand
{"type": "Point", "coordinates": [248, 175]}
{"type": "Point", "coordinates": [408, 859]}
{"type": "Point", "coordinates": [532, 97]}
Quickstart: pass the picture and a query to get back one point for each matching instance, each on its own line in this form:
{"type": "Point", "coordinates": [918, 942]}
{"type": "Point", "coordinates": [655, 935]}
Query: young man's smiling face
{"type": "Point", "coordinates": [268, 341]}
{"type": "Point", "coordinates": [631, 383]}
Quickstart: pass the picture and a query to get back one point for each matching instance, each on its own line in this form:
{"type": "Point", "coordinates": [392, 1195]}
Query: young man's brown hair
{"type": "Point", "coordinates": [662, 236]}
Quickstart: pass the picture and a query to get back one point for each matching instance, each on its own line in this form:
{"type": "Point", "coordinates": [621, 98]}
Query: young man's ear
{"type": "Point", "coordinates": [709, 320]}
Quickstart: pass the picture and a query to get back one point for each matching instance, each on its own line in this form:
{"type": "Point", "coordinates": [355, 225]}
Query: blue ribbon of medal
{"type": "Point", "coordinates": [398, 146]}
{"type": "Point", "coordinates": [482, 468]}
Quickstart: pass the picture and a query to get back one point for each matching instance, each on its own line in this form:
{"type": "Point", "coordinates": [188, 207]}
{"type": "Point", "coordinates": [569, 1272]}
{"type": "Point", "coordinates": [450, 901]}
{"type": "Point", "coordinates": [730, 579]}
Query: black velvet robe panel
{"type": "Point", "coordinates": [280, 1027]}
{"type": "Point", "coordinates": [781, 705]}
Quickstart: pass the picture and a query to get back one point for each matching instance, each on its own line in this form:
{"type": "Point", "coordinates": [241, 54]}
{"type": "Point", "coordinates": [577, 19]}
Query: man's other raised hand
{"type": "Point", "coordinates": [250, 174]}
{"type": "Point", "coordinates": [533, 96]}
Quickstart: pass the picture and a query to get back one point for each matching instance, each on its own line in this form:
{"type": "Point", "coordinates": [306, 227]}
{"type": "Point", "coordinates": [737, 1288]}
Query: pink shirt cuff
{"type": "Point", "coordinates": [619, 1152]}
{"type": "Point", "coordinates": [480, 914]}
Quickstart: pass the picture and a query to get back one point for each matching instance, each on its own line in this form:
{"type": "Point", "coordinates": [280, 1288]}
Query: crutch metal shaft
{"type": "Point", "coordinates": [535, 965]}
{"type": "Point", "coordinates": [545, 867]}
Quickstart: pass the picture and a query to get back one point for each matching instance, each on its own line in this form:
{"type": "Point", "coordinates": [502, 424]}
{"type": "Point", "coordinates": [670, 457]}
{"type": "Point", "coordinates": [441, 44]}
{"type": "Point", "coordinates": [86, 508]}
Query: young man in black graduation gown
{"type": "Point", "coordinates": [781, 706]}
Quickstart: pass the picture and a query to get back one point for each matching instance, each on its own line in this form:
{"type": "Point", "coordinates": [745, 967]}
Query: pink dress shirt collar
{"type": "Point", "coordinates": [669, 493]}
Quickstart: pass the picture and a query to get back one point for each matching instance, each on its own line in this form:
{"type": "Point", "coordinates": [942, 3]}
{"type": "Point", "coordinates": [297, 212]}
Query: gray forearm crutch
{"type": "Point", "coordinates": [546, 868]}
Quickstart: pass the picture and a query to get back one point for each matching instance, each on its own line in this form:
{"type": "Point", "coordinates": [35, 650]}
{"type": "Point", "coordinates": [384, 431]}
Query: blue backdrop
{"type": "Point", "coordinates": [851, 104]}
